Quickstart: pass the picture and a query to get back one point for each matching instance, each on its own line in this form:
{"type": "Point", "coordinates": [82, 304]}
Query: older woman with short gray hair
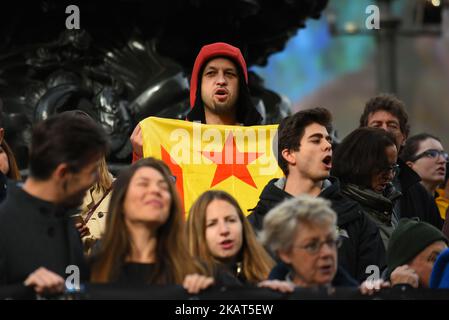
{"type": "Point", "coordinates": [281, 224]}
{"type": "Point", "coordinates": [303, 233]}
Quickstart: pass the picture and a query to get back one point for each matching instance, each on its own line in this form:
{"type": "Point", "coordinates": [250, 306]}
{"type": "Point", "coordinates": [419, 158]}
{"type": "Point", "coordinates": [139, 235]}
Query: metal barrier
{"type": "Point", "coordinates": [175, 292]}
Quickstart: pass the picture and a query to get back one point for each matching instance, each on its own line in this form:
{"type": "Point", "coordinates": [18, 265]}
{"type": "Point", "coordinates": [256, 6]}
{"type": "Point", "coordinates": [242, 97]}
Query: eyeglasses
{"type": "Point", "coordinates": [315, 246]}
{"type": "Point", "coordinates": [431, 153]}
{"type": "Point", "coordinates": [394, 169]}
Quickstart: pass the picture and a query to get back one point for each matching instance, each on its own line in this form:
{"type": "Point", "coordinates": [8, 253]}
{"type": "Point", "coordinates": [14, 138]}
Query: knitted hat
{"type": "Point", "coordinates": [408, 239]}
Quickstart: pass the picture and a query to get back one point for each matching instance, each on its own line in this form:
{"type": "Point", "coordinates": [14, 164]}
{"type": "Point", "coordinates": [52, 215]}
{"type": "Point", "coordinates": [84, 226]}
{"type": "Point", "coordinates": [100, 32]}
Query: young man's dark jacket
{"type": "Point", "coordinates": [362, 245]}
{"type": "Point", "coordinates": [415, 200]}
{"type": "Point", "coordinates": [35, 233]}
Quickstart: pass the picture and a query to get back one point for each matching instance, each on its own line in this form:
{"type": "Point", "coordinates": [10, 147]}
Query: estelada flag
{"type": "Point", "coordinates": [236, 159]}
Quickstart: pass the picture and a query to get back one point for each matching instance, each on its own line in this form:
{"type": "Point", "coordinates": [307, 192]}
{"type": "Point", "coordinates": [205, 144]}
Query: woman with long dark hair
{"type": "Point", "coordinates": [144, 239]}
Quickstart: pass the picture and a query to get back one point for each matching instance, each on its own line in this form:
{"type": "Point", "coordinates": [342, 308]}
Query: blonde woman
{"type": "Point", "coordinates": [95, 207]}
{"type": "Point", "coordinates": [220, 236]}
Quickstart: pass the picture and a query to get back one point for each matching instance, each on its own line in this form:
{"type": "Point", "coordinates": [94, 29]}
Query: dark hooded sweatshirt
{"type": "Point", "coordinates": [362, 245]}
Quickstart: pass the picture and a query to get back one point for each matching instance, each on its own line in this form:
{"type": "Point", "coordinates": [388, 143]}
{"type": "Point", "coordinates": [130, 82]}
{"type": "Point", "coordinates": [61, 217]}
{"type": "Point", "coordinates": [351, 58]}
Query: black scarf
{"type": "Point", "coordinates": [379, 205]}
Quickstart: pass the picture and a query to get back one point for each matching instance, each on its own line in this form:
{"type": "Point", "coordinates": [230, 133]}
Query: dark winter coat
{"type": "Point", "coordinates": [35, 233]}
{"type": "Point", "coordinates": [378, 207]}
{"type": "Point", "coordinates": [415, 200]}
{"type": "Point", "coordinates": [362, 245]}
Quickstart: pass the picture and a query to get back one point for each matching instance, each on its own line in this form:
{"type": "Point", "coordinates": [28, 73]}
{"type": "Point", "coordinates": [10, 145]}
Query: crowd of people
{"type": "Point", "coordinates": [378, 200]}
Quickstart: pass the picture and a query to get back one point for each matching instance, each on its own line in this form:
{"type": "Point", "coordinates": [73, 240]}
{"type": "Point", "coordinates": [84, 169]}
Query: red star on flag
{"type": "Point", "coordinates": [232, 162]}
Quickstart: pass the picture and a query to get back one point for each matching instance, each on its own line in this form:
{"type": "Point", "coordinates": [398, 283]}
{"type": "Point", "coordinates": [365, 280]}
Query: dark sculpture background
{"type": "Point", "coordinates": [130, 59]}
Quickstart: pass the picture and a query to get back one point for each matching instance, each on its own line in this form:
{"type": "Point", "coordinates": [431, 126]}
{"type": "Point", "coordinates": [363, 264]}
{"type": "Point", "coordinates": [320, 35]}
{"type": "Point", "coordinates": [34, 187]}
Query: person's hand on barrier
{"type": "Point", "coordinates": [45, 281]}
{"type": "Point", "coordinates": [194, 283]}
{"type": "Point", "coordinates": [369, 287]}
{"type": "Point", "coordinates": [137, 141]}
{"type": "Point", "coordinates": [277, 285]}
{"type": "Point", "coordinates": [404, 275]}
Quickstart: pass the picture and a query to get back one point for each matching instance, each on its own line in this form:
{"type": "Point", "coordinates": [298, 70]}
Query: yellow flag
{"type": "Point", "coordinates": [236, 159]}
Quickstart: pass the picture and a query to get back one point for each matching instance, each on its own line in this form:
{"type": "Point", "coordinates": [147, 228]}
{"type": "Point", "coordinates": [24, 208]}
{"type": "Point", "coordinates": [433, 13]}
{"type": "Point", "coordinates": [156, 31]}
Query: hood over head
{"type": "Point", "coordinates": [246, 112]}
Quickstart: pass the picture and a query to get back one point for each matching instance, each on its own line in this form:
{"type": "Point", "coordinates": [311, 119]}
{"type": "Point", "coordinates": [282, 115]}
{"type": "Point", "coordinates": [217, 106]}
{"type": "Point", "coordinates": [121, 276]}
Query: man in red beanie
{"type": "Point", "coordinates": [218, 91]}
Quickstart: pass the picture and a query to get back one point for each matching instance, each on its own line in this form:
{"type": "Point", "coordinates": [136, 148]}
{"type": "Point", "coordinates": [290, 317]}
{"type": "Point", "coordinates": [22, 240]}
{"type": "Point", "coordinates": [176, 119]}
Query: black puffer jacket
{"type": "Point", "coordinates": [362, 245]}
{"type": "Point", "coordinates": [415, 200]}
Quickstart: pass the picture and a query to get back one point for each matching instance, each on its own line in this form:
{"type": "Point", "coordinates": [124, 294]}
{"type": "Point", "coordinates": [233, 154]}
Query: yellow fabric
{"type": "Point", "coordinates": [236, 159]}
{"type": "Point", "coordinates": [442, 203]}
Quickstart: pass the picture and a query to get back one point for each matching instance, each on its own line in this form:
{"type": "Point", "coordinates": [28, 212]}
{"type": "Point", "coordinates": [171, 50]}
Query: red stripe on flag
{"type": "Point", "coordinates": [177, 171]}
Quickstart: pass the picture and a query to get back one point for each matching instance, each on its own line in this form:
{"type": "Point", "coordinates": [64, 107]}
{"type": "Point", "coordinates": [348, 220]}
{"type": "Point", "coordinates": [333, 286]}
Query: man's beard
{"type": "Point", "coordinates": [75, 200]}
{"type": "Point", "coordinates": [221, 109]}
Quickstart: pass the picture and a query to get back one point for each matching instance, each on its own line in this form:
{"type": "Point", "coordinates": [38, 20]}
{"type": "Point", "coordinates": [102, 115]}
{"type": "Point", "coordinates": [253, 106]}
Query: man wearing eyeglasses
{"type": "Point", "coordinates": [387, 112]}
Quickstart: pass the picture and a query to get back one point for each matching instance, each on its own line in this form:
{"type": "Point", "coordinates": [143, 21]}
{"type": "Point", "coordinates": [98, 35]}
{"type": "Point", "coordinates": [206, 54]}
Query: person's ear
{"type": "Point", "coordinates": [60, 175]}
{"type": "Point", "coordinates": [285, 256]}
{"type": "Point", "coordinates": [410, 164]}
{"type": "Point", "coordinates": [61, 171]}
{"type": "Point", "coordinates": [289, 156]}
{"type": "Point", "coordinates": [404, 139]}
